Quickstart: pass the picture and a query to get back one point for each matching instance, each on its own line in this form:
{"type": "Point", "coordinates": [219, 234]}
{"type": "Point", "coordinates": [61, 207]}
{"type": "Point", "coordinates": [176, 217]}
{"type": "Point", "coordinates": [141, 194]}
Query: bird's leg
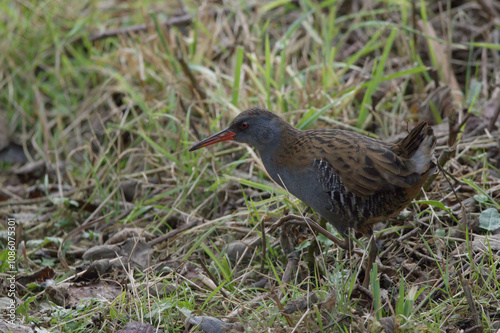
{"type": "Point", "coordinates": [372, 255]}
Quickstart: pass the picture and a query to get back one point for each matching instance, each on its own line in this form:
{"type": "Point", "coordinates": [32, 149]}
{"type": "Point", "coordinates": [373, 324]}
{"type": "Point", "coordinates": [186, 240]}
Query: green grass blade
{"type": "Point", "coordinates": [237, 74]}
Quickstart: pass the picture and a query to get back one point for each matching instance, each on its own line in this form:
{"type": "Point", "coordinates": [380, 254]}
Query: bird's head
{"type": "Point", "coordinates": [257, 127]}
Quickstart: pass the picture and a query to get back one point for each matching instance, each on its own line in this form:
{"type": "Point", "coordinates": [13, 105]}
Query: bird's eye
{"type": "Point", "coordinates": [244, 125]}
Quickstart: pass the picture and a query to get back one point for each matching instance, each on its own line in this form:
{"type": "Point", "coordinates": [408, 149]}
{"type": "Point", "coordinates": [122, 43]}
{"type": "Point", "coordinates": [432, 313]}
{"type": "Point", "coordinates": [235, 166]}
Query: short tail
{"type": "Point", "coordinates": [418, 147]}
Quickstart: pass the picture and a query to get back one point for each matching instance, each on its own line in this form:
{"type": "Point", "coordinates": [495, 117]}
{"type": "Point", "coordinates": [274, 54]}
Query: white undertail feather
{"type": "Point", "coordinates": [424, 155]}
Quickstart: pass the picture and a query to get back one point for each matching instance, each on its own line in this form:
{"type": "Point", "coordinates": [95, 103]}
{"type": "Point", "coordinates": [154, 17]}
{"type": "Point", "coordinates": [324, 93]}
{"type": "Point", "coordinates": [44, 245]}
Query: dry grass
{"type": "Point", "coordinates": [98, 127]}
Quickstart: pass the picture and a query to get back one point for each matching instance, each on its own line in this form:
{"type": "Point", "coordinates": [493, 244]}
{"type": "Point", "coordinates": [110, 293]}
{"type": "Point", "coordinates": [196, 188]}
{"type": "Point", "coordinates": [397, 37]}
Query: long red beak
{"type": "Point", "coordinates": [225, 135]}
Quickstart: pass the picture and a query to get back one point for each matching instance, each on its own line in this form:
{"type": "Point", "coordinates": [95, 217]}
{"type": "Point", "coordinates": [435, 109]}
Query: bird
{"type": "Point", "coordinates": [351, 180]}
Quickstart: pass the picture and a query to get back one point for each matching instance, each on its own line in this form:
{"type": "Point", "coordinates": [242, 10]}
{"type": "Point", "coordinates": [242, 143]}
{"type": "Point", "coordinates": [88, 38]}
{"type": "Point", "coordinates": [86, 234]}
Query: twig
{"type": "Point", "coordinates": [264, 245]}
{"type": "Point", "coordinates": [192, 79]}
{"type": "Point", "coordinates": [398, 241]}
{"type": "Point", "coordinates": [422, 255]}
{"type": "Point", "coordinates": [174, 21]}
{"type": "Point", "coordinates": [488, 9]}
{"type": "Point", "coordinates": [275, 298]}
{"type": "Point", "coordinates": [173, 233]}
{"type": "Point", "coordinates": [211, 277]}
{"type": "Point", "coordinates": [445, 156]}
{"type": "Point", "coordinates": [43, 199]}
{"type": "Point", "coordinates": [469, 298]}
{"type": "Point", "coordinates": [304, 221]}
{"type": "Point", "coordinates": [365, 291]}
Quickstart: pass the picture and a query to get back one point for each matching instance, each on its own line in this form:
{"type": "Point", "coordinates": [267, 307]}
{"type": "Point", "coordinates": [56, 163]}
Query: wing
{"type": "Point", "coordinates": [363, 165]}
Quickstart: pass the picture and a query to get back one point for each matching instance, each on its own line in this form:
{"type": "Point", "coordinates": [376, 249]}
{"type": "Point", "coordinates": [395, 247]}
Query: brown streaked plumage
{"type": "Point", "coordinates": [352, 180]}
